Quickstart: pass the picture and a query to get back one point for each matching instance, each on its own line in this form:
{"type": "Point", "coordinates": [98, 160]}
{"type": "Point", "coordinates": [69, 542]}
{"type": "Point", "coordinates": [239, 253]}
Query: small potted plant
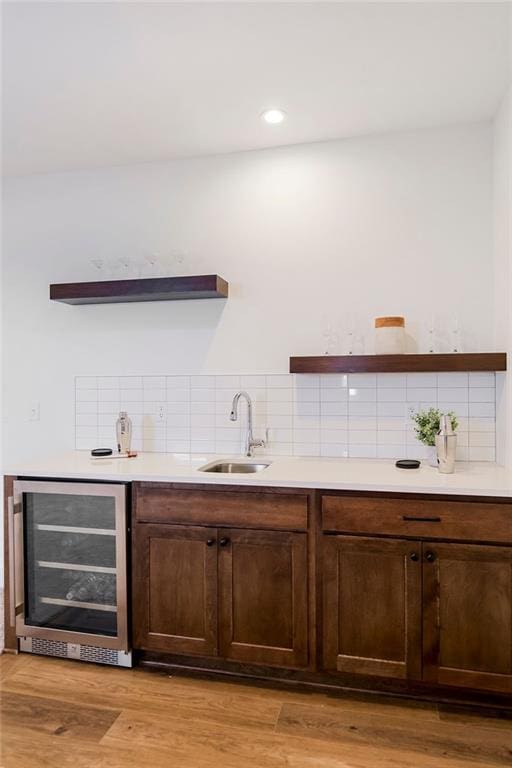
{"type": "Point", "coordinates": [427, 427]}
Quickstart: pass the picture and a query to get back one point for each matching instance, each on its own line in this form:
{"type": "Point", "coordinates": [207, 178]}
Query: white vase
{"type": "Point", "coordinates": [432, 456]}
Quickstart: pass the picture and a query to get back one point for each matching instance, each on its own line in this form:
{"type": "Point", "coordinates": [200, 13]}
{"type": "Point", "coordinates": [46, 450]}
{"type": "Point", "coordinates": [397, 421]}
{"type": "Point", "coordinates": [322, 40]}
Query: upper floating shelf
{"type": "Point", "coordinates": [145, 289]}
{"type": "Point", "coordinates": [471, 361]}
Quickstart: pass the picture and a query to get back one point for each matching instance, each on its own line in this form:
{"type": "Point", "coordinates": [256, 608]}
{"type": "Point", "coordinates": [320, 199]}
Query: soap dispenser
{"type": "Point", "coordinates": [446, 445]}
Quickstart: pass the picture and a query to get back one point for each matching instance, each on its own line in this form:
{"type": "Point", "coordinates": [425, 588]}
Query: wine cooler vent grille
{"type": "Point", "coordinates": [75, 651]}
{"type": "Point", "coordinates": [99, 655]}
{"type": "Point", "coordinates": [49, 647]}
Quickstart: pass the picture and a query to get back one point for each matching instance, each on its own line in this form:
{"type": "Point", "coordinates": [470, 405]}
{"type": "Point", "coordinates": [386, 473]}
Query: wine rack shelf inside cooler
{"type": "Point", "coordinates": [78, 604]}
{"type": "Point", "coordinates": [76, 529]}
{"type": "Point", "coordinates": [76, 567]}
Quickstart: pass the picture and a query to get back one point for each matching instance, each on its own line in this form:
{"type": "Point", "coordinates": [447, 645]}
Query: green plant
{"type": "Point", "coordinates": [427, 424]}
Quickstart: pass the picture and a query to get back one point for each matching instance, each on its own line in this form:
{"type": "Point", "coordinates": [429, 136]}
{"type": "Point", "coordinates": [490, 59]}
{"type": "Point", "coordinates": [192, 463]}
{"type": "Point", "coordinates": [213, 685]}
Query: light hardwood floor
{"type": "Point", "coordinates": [58, 713]}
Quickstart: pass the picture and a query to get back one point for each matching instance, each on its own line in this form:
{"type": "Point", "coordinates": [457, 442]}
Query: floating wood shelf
{"type": "Point", "coordinates": [145, 289]}
{"type": "Point", "coordinates": [471, 361]}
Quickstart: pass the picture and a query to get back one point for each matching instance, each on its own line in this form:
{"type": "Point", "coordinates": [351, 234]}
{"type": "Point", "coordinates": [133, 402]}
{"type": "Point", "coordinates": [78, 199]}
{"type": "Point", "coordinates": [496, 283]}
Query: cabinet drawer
{"type": "Point", "coordinates": [161, 503]}
{"type": "Point", "coordinates": [460, 520]}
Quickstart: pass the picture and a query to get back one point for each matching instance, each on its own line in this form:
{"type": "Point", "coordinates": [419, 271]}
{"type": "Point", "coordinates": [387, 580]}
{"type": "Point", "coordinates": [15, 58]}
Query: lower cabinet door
{"type": "Point", "coordinates": [175, 589]}
{"type": "Point", "coordinates": [467, 616]}
{"type": "Point", "coordinates": [372, 606]}
{"type": "Point", "coordinates": [263, 597]}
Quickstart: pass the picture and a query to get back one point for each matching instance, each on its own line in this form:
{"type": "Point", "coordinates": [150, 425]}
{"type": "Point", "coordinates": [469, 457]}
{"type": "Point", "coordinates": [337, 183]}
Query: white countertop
{"type": "Point", "coordinates": [478, 479]}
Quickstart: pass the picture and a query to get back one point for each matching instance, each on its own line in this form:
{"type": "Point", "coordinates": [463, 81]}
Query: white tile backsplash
{"type": "Point", "coordinates": [482, 395]}
{"type": "Point", "coordinates": [362, 409]}
{"type": "Point", "coordinates": [362, 380]}
{"type": "Point", "coordinates": [333, 409]}
{"type": "Point", "coordinates": [391, 395]}
{"type": "Point", "coordinates": [336, 380]}
{"type": "Point", "coordinates": [453, 394]}
{"type": "Point", "coordinates": [481, 379]}
{"type": "Point", "coordinates": [333, 395]}
{"type": "Point", "coordinates": [394, 380]}
{"type": "Point", "coordinates": [363, 394]}
{"type": "Point", "coordinates": [420, 380]}
{"type": "Point", "coordinates": [130, 382]}
{"type": "Point", "coordinates": [484, 410]}
{"type": "Point", "coordinates": [334, 450]}
{"type": "Point", "coordinates": [452, 379]}
{"type": "Point", "coordinates": [331, 415]}
{"type": "Point", "coordinates": [178, 382]}
{"type": "Point", "coordinates": [87, 395]}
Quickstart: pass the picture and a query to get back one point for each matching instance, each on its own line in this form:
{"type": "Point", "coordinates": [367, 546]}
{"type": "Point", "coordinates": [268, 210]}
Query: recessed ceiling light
{"type": "Point", "coordinates": [273, 116]}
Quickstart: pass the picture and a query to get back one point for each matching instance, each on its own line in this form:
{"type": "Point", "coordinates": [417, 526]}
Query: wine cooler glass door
{"type": "Point", "coordinates": [71, 556]}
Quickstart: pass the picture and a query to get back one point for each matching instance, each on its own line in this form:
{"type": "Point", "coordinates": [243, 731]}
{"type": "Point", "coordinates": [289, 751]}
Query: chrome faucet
{"type": "Point", "coordinates": [250, 442]}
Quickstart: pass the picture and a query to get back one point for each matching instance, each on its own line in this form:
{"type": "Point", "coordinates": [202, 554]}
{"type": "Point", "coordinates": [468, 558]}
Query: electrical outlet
{"type": "Point", "coordinates": [161, 413]}
{"type": "Point", "coordinates": [34, 411]}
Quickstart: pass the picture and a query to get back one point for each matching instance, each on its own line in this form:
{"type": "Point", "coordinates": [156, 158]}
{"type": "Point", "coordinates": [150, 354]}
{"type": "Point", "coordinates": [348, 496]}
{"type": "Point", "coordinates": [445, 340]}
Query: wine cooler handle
{"type": "Point", "coordinates": [12, 561]}
{"type": "Point", "coordinates": [14, 551]}
{"type": "Point", "coordinates": [12, 567]}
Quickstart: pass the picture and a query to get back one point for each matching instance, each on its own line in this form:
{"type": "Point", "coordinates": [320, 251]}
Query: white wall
{"type": "Point", "coordinates": [396, 224]}
{"type": "Point", "coordinates": [502, 195]}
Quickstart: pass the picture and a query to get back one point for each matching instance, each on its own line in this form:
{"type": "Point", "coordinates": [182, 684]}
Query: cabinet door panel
{"type": "Point", "coordinates": [263, 597]}
{"type": "Point", "coordinates": [175, 589]}
{"type": "Point", "coordinates": [372, 606]}
{"type": "Point", "coordinates": [468, 616]}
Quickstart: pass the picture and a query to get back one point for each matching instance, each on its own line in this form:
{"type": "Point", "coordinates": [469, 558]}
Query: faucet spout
{"type": "Point", "coordinates": [234, 405]}
{"type": "Point", "coordinates": [250, 442]}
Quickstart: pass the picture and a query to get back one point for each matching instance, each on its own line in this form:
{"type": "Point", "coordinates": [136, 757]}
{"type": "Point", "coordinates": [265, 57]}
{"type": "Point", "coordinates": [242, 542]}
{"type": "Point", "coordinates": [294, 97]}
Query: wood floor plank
{"type": "Point", "coordinates": [454, 740]}
{"type": "Point", "coordinates": [482, 717]}
{"type": "Point", "coordinates": [65, 714]}
{"type": "Point", "coordinates": [137, 689]}
{"type": "Point", "coordinates": [25, 748]}
{"type": "Point", "coordinates": [22, 750]}
{"type": "Point", "coordinates": [238, 747]}
{"type": "Point", "coordinates": [47, 751]}
{"type": "Point", "coordinates": [11, 663]}
{"type": "Point", "coordinates": [351, 700]}
{"type": "Point", "coordinates": [65, 720]}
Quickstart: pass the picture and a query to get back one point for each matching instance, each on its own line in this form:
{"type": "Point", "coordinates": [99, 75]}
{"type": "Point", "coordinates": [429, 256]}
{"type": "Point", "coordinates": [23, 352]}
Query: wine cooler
{"type": "Point", "coordinates": [68, 545]}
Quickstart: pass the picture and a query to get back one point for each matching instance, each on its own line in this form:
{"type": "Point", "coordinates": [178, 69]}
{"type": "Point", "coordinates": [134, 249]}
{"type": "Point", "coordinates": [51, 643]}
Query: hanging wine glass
{"type": "Point", "coordinates": [327, 331]}
{"type": "Point", "coordinates": [455, 334]}
{"type": "Point", "coordinates": [431, 340]}
{"type": "Point", "coordinates": [99, 266]}
{"type": "Point", "coordinates": [350, 332]}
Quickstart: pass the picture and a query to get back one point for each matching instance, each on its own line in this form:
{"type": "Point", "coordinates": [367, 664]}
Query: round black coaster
{"type": "Point", "coordinates": [101, 452]}
{"type": "Point", "coordinates": [408, 463]}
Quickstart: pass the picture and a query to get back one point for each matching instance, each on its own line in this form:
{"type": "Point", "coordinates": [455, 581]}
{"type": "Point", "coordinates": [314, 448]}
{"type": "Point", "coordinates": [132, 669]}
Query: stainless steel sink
{"type": "Point", "coordinates": [234, 467]}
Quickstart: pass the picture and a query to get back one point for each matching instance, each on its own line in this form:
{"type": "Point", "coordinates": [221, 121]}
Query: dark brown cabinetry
{"type": "Point", "coordinates": [263, 597]}
{"type": "Point", "coordinates": [372, 606]}
{"type": "Point", "coordinates": [175, 589]}
{"type": "Point", "coordinates": [236, 593]}
{"type": "Point", "coordinates": [467, 616]}
{"type": "Point", "coordinates": [423, 610]}
{"type": "Point", "coordinates": [400, 592]}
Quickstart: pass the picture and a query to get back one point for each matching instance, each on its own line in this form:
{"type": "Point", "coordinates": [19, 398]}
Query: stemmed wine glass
{"type": "Point", "coordinates": [330, 335]}
{"type": "Point", "coordinates": [455, 334]}
{"type": "Point", "coordinates": [431, 325]}
{"type": "Point", "coordinates": [349, 322]}
{"type": "Point", "coordinates": [99, 265]}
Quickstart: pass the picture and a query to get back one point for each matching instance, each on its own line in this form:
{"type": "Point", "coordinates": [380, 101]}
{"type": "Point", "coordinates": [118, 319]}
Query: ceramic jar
{"type": "Point", "coordinates": [389, 335]}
